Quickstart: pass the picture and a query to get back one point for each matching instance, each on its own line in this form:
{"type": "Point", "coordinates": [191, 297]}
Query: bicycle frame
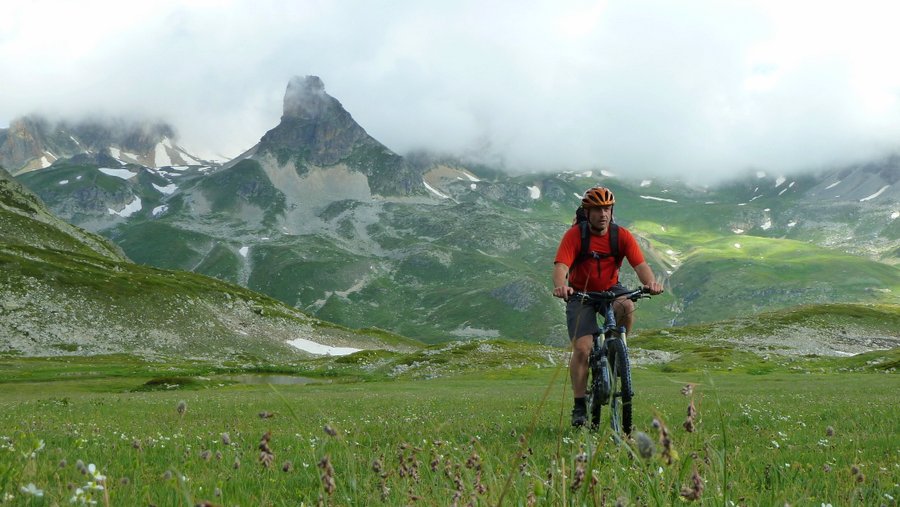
{"type": "Point", "coordinates": [608, 363]}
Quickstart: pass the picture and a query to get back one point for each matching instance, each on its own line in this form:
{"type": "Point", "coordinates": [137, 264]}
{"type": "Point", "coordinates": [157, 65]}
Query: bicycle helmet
{"type": "Point", "coordinates": [596, 197]}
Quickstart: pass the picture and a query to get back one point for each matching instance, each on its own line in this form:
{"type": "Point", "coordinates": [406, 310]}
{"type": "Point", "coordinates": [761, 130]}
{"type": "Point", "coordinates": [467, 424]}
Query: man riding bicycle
{"type": "Point", "coordinates": [591, 263]}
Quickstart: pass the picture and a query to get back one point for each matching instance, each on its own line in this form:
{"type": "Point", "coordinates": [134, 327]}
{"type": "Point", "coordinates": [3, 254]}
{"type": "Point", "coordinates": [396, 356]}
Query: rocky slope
{"type": "Point", "coordinates": [66, 291]}
{"type": "Point", "coordinates": [33, 142]}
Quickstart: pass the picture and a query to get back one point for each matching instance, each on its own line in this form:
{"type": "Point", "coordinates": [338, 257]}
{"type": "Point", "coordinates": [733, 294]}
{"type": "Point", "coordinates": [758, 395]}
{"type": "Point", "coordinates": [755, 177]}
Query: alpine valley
{"type": "Point", "coordinates": [330, 224]}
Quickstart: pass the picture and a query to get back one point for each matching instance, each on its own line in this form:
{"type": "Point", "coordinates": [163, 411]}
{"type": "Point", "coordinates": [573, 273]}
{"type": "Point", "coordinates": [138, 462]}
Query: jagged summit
{"type": "Point", "coordinates": [306, 98]}
{"type": "Point", "coordinates": [34, 142]}
{"type": "Point", "coordinates": [316, 131]}
{"type": "Point", "coordinates": [316, 125]}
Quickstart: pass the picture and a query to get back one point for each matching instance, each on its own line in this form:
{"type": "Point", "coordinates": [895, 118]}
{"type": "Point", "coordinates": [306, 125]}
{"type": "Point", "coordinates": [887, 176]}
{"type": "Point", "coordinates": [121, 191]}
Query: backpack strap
{"type": "Point", "coordinates": [586, 245]}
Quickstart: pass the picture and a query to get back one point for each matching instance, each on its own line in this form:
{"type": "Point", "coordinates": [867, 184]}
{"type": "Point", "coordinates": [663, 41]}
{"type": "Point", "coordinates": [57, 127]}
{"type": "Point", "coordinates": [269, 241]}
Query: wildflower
{"type": "Point", "coordinates": [136, 444]}
{"type": "Point", "coordinates": [266, 456]}
{"type": "Point", "coordinates": [79, 465]}
{"type": "Point", "coordinates": [696, 488]}
{"type": "Point", "coordinates": [645, 445]}
{"type": "Point", "coordinates": [63, 463]}
{"type": "Point", "coordinates": [687, 390]}
{"type": "Point", "coordinates": [580, 460]}
{"type": "Point", "coordinates": [665, 441]}
{"type": "Point", "coordinates": [237, 463]}
{"type": "Point", "coordinates": [32, 490]}
{"type": "Point", "coordinates": [287, 466]}
{"type": "Point", "coordinates": [829, 431]}
{"type": "Point", "coordinates": [226, 439]}
{"type": "Point", "coordinates": [95, 473]}
{"type": "Point", "coordinates": [691, 414]}
{"type": "Point", "coordinates": [206, 455]}
{"type": "Point", "coordinates": [331, 431]}
{"type": "Point", "coordinates": [181, 408]}
{"type": "Point", "coordinates": [265, 414]}
{"type": "Point", "coordinates": [327, 475]}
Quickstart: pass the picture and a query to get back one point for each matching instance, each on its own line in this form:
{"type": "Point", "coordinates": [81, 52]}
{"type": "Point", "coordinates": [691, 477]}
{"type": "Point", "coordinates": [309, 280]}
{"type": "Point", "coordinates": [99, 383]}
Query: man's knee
{"type": "Point", "coordinates": [582, 345]}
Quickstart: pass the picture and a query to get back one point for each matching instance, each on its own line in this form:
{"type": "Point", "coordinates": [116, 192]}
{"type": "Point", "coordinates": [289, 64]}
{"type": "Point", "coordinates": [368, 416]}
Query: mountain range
{"type": "Point", "coordinates": [67, 291]}
{"type": "Point", "coordinates": [331, 222]}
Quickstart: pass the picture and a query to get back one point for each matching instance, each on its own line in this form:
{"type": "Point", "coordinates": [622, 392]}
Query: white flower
{"type": "Point", "coordinates": [32, 490]}
{"type": "Point", "coordinates": [92, 469]}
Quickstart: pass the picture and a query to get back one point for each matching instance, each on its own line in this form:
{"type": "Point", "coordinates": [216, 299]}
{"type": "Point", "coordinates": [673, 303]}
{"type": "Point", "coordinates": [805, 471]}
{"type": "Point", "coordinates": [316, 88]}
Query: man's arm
{"type": "Point", "coordinates": [560, 288]}
{"type": "Point", "coordinates": [647, 278]}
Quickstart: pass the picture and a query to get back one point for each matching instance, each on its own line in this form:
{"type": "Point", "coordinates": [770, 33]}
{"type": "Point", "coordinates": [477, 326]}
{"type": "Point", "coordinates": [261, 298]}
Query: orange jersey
{"type": "Point", "coordinates": [596, 274]}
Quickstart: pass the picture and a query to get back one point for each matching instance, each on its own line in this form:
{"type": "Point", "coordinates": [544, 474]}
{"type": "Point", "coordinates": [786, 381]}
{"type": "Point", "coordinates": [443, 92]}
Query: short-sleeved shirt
{"type": "Point", "coordinates": [596, 274]}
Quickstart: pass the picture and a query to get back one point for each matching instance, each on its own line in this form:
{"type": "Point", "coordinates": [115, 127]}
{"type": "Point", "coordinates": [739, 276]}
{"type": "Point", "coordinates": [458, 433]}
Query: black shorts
{"type": "Point", "coordinates": [581, 319]}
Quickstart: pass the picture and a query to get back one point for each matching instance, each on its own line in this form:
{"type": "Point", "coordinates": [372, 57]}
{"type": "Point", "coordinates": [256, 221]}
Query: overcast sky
{"type": "Point", "coordinates": [637, 87]}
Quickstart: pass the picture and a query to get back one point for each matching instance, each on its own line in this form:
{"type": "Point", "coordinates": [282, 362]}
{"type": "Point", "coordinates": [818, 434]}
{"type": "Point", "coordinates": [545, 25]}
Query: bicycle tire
{"type": "Point", "coordinates": [622, 393]}
{"type": "Point", "coordinates": [599, 393]}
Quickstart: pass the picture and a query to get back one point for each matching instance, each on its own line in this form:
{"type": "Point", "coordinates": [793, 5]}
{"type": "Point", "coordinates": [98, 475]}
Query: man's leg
{"type": "Point", "coordinates": [624, 310]}
{"type": "Point", "coordinates": [578, 369]}
{"type": "Point", "coordinates": [578, 364]}
{"type": "Point", "coordinates": [581, 321]}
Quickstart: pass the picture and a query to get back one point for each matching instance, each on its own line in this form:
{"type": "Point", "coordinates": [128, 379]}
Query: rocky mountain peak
{"type": "Point", "coordinates": [316, 125]}
{"type": "Point", "coordinates": [34, 142]}
{"type": "Point", "coordinates": [306, 98]}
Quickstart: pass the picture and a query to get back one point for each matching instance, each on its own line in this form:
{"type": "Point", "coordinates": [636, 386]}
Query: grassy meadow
{"type": "Point", "coordinates": [119, 434]}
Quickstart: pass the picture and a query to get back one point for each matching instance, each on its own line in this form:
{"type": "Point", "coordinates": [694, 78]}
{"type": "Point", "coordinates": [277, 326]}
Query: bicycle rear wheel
{"type": "Point", "coordinates": [622, 393]}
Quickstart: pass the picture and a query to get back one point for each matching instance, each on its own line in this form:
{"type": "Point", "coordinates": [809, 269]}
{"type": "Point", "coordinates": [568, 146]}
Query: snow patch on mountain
{"type": "Point", "coordinates": [161, 155]}
{"type": "Point", "coordinates": [64, 182]}
{"type": "Point", "coordinates": [319, 349]}
{"type": "Point", "coordinates": [894, 215]}
{"type": "Point", "coordinates": [766, 225]}
{"type": "Point", "coordinates": [607, 174]}
{"type": "Point", "coordinates": [779, 181]}
{"type": "Point", "coordinates": [159, 210]}
{"type": "Point", "coordinates": [646, 183]}
{"type": "Point", "coordinates": [737, 231]}
{"type": "Point", "coordinates": [650, 197]}
{"type": "Point", "coordinates": [876, 194]}
{"type": "Point", "coordinates": [836, 183]}
{"type": "Point", "coordinates": [760, 174]}
{"type": "Point", "coordinates": [45, 163]}
{"type": "Point", "coordinates": [534, 192]}
{"type": "Point", "coordinates": [435, 191]}
{"type": "Point", "coordinates": [168, 189]}
{"type": "Point", "coordinates": [125, 174]}
{"type": "Point", "coordinates": [244, 250]}
{"type": "Point", "coordinates": [129, 209]}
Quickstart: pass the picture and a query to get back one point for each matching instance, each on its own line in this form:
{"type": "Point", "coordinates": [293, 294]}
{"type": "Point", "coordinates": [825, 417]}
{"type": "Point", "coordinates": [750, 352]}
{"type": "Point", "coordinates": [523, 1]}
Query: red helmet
{"type": "Point", "coordinates": [596, 197]}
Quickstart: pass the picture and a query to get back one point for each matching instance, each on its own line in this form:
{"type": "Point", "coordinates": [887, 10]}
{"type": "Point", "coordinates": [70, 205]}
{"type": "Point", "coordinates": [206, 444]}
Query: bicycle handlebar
{"type": "Point", "coordinates": [608, 295]}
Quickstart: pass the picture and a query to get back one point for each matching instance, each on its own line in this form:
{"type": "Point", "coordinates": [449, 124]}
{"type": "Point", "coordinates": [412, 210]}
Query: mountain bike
{"type": "Point", "coordinates": [610, 382]}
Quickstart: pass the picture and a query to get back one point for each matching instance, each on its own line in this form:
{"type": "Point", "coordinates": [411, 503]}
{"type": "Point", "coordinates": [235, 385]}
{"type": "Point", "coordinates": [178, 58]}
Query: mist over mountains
{"type": "Point", "coordinates": [327, 219]}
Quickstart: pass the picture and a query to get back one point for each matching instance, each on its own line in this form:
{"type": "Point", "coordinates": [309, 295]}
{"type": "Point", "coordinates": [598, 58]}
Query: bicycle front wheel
{"type": "Point", "coordinates": [622, 393]}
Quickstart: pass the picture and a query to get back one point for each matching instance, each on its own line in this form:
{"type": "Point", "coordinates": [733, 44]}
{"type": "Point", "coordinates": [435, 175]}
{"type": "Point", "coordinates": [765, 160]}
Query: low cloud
{"type": "Point", "coordinates": [700, 90]}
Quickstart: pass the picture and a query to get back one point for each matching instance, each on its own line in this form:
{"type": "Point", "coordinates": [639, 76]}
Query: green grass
{"type": "Point", "coordinates": [493, 439]}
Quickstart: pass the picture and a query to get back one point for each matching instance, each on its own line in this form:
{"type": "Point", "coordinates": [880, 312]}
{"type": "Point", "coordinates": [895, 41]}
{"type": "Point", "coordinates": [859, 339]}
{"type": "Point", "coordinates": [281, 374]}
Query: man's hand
{"type": "Point", "coordinates": [563, 291]}
{"type": "Point", "coordinates": [654, 288]}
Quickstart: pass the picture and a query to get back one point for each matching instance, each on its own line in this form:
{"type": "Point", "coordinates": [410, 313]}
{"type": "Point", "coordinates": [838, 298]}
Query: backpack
{"type": "Point", "coordinates": [586, 253]}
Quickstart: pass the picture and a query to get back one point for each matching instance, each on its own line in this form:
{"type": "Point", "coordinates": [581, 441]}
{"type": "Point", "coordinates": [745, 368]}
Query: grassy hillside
{"type": "Point", "coordinates": [67, 292]}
